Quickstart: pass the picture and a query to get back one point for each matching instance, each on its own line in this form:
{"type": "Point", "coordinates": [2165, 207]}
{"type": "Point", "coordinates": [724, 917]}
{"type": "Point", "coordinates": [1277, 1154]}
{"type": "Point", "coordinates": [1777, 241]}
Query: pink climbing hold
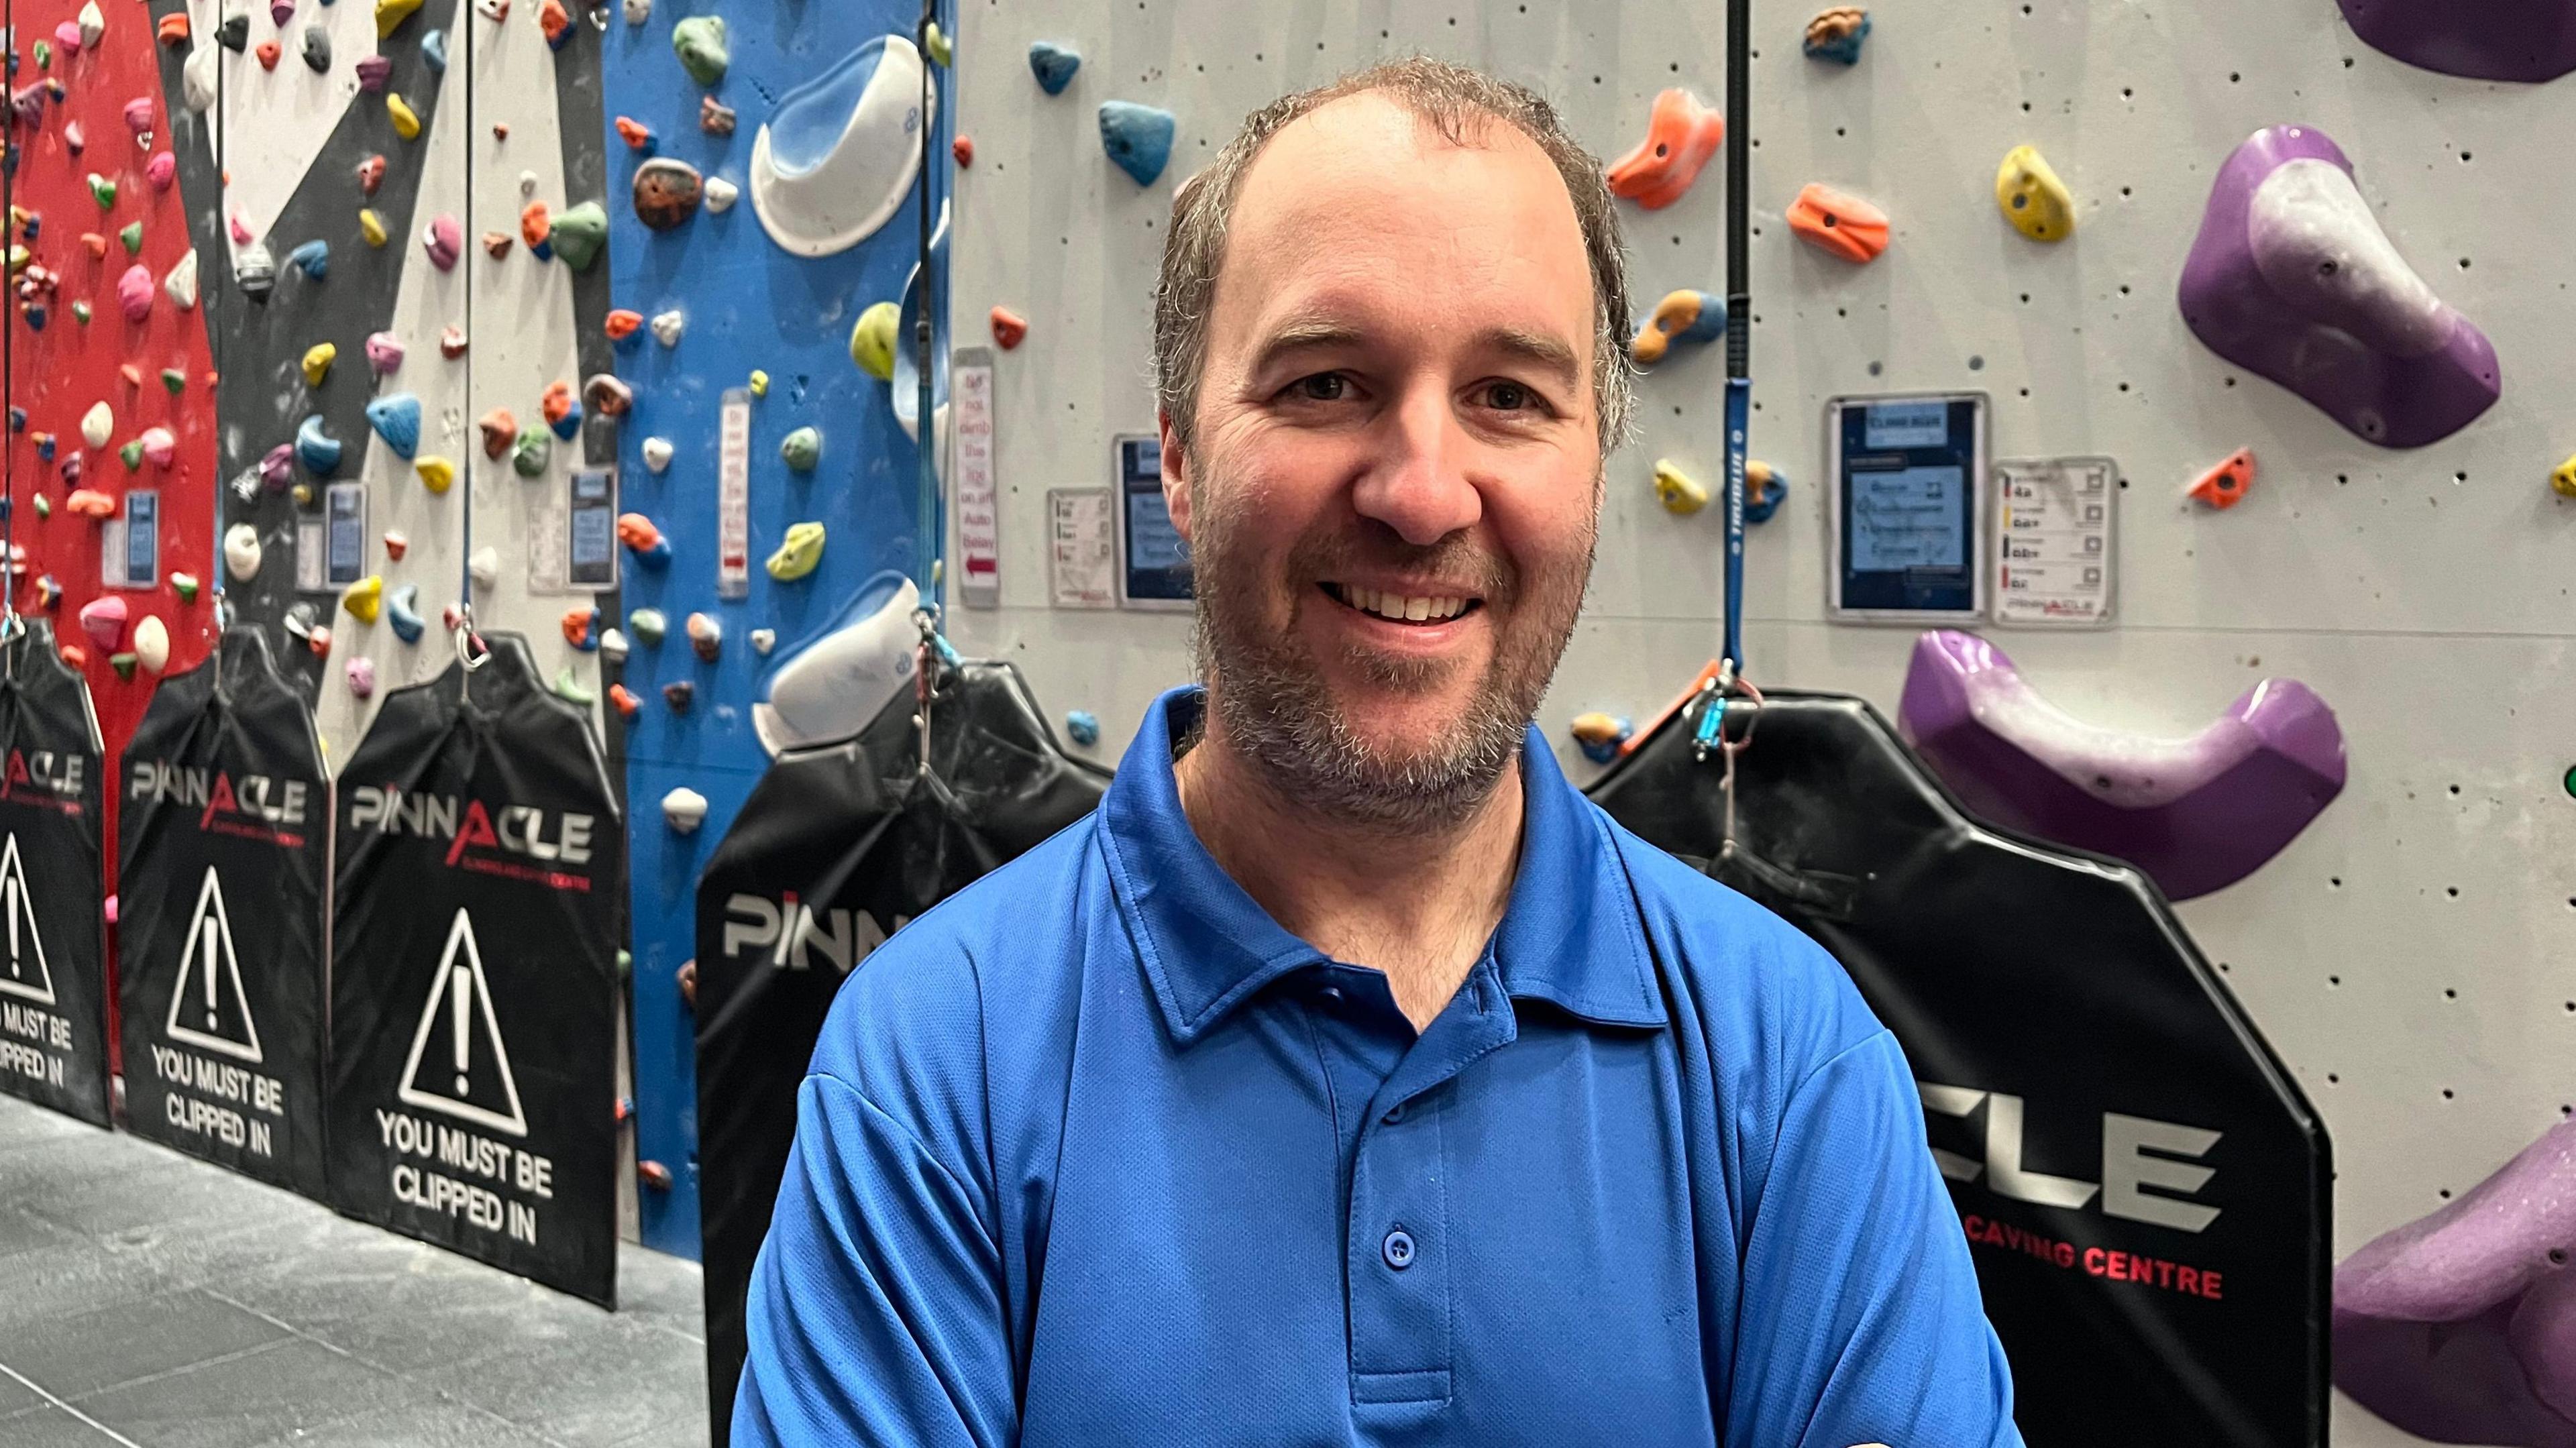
{"type": "Point", "coordinates": [103, 619]}
{"type": "Point", "coordinates": [362, 677]}
{"type": "Point", "coordinates": [159, 447]}
{"type": "Point", "coordinates": [278, 468]}
{"type": "Point", "coordinates": [138, 115]}
{"type": "Point", "coordinates": [161, 170]}
{"type": "Point", "coordinates": [241, 231]}
{"type": "Point", "coordinates": [444, 240]}
{"type": "Point", "coordinates": [68, 36]}
{"type": "Point", "coordinates": [384, 353]}
{"type": "Point", "coordinates": [134, 292]}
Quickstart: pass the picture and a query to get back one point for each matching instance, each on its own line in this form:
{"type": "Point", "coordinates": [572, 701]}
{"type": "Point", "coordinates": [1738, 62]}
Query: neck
{"type": "Point", "coordinates": [1418, 904]}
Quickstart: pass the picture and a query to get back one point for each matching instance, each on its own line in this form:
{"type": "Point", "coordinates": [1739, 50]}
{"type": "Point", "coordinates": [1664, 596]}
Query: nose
{"type": "Point", "coordinates": [1418, 484]}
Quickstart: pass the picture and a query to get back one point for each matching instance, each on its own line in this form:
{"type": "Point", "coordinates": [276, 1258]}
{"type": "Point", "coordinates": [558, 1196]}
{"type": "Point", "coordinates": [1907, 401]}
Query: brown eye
{"type": "Point", "coordinates": [1322, 387]}
{"type": "Point", "coordinates": [1509, 396]}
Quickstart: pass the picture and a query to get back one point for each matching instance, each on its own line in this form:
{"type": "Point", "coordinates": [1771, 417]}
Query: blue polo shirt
{"type": "Point", "coordinates": [1096, 1153]}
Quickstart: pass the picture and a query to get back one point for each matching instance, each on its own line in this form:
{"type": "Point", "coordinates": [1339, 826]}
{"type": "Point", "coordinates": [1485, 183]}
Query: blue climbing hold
{"type": "Point", "coordinates": [313, 257]}
{"type": "Point", "coordinates": [1139, 138]}
{"type": "Point", "coordinates": [1836, 34]}
{"type": "Point", "coordinates": [433, 48]}
{"type": "Point", "coordinates": [36, 316]}
{"type": "Point", "coordinates": [569, 423]}
{"type": "Point", "coordinates": [1053, 65]}
{"type": "Point", "coordinates": [1082, 727]}
{"type": "Point", "coordinates": [317, 450]}
{"type": "Point", "coordinates": [1764, 487]}
{"type": "Point", "coordinates": [45, 448]}
{"type": "Point", "coordinates": [396, 419]}
{"type": "Point", "coordinates": [402, 610]}
{"type": "Point", "coordinates": [17, 419]}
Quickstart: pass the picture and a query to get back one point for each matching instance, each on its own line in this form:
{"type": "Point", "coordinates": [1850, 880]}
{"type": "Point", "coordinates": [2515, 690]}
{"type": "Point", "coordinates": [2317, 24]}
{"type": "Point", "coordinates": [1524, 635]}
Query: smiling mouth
{"type": "Point", "coordinates": [1419, 609]}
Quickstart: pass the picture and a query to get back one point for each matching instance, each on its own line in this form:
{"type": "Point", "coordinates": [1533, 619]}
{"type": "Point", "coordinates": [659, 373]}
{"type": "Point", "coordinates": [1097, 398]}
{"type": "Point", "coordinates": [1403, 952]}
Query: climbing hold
{"type": "Point", "coordinates": [1764, 490]}
{"type": "Point", "coordinates": [715, 117]}
{"type": "Point", "coordinates": [839, 153]}
{"type": "Point", "coordinates": [1681, 134]}
{"type": "Point", "coordinates": [1053, 65]}
{"type": "Point", "coordinates": [185, 585]}
{"type": "Point", "coordinates": [797, 556]}
{"type": "Point", "coordinates": [678, 695]}
{"type": "Point", "coordinates": [2032, 198]}
{"type": "Point", "coordinates": [49, 589]}
{"type": "Point", "coordinates": [763, 640]}
{"type": "Point", "coordinates": [436, 473]}
{"type": "Point", "coordinates": [102, 191]}
{"type": "Point", "coordinates": [562, 413]}
{"type": "Point", "coordinates": [624, 701]}
{"type": "Point", "coordinates": [483, 565]}
{"type": "Point", "coordinates": [529, 456]}
{"type": "Point", "coordinates": [652, 550]}
{"type": "Point", "coordinates": [667, 192]}
{"type": "Point", "coordinates": [637, 135]}
{"type": "Point", "coordinates": [496, 244]}
{"type": "Point", "coordinates": [131, 234]}
{"type": "Point", "coordinates": [158, 446]}
{"type": "Point", "coordinates": [278, 468]}
{"type": "Point", "coordinates": [872, 341]}
{"type": "Point", "coordinates": [138, 117]}
{"type": "Point", "coordinates": [580, 234]}
{"type": "Point", "coordinates": [359, 671]}
{"type": "Point", "coordinates": [1836, 222]}
{"type": "Point", "coordinates": [622, 324]}
{"type": "Point", "coordinates": [699, 41]}
{"type": "Point", "coordinates": [317, 362]}
{"type": "Point", "coordinates": [569, 688]}
{"type": "Point", "coordinates": [1009, 330]}
{"type": "Point", "coordinates": [667, 327]}
{"type": "Point", "coordinates": [364, 598]}
{"type": "Point", "coordinates": [2514, 40]}
{"type": "Point", "coordinates": [706, 636]}
{"type": "Point", "coordinates": [241, 551]}
{"type": "Point", "coordinates": [1679, 491]}
{"type": "Point", "coordinates": [371, 174]}
{"type": "Point", "coordinates": [91, 24]}
{"type": "Point", "coordinates": [500, 429]}
{"type": "Point", "coordinates": [801, 449]}
{"type": "Point", "coordinates": [451, 342]}
{"type": "Point", "coordinates": [384, 353]}
{"type": "Point", "coordinates": [536, 227]}
{"type": "Point", "coordinates": [124, 666]}
{"type": "Point", "coordinates": [396, 419]}
{"type": "Point", "coordinates": [132, 453]}
{"type": "Point", "coordinates": [390, 14]}
{"type": "Point", "coordinates": [581, 627]}
{"type": "Point", "coordinates": [1836, 34]}
{"type": "Point", "coordinates": [433, 50]}
{"type": "Point", "coordinates": [98, 425]}
{"type": "Point", "coordinates": [80, 313]}
{"type": "Point", "coordinates": [233, 34]}
{"type": "Point", "coordinates": [91, 242]}
{"type": "Point", "coordinates": [759, 382]}
{"type": "Point", "coordinates": [721, 194]}
{"type": "Point", "coordinates": [397, 543]}
{"type": "Point", "coordinates": [1600, 735]}
{"type": "Point", "coordinates": [963, 150]}
{"type": "Point", "coordinates": [402, 610]}
{"type": "Point", "coordinates": [1683, 316]}
{"type": "Point", "coordinates": [936, 41]}
{"type": "Point", "coordinates": [103, 619]}
{"type": "Point", "coordinates": [2292, 277]}
{"type": "Point", "coordinates": [607, 394]}
{"type": "Point", "coordinates": [317, 450]}
{"type": "Point", "coordinates": [495, 11]}
{"type": "Point", "coordinates": [1137, 137]}
{"type": "Point", "coordinates": [444, 240]}
{"type": "Point", "coordinates": [2563, 478]}
{"type": "Point", "coordinates": [76, 656]}
{"type": "Point", "coordinates": [373, 71]}
{"type": "Point", "coordinates": [268, 51]}
{"type": "Point", "coordinates": [1082, 727]}
{"type": "Point", "coordinates": [315, 48]}
{"type": "Point", "coordinates": [2225, 485]}
{"type": "Point", "coordinates": [162, 170]}
{"type": "Point", "coordinates": [406, 121]}
{"type": "Point", "coordinates": [181, 284]}
{"type": "Point", "coordinates": [657, 453]}
{"type": "Point", "coordinates": [638, 11]}
{"type": "Point", "coordinates": [647, 624]}
{"type": "Point", "coordinates": [89, 503]}
{"type": "Point", "coordinates": [313, 258]}
{"type": "Point", "coordinates": [2196, 814]}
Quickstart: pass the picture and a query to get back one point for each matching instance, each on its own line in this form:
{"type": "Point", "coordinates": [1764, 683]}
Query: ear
{"type": "Point", "coordinates": [1176, 476]}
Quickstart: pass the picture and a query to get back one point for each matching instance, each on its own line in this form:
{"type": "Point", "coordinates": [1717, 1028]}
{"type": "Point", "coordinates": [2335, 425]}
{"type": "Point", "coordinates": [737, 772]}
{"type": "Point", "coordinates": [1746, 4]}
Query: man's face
{"type": "Point", "coordinates": [1392, 496]}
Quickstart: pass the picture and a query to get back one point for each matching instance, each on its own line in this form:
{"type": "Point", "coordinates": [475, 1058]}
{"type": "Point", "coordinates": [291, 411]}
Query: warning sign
{"type": "Point", "coordinates": [224, 844]}
{"type": "Point", "coordinates": [53, 979]}
{"type": "Point", "coordinates": [479, 901]}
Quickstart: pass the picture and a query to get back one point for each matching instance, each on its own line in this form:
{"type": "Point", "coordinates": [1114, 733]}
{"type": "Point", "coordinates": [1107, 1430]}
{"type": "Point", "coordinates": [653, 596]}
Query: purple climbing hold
{"type": "Point", "coordinates": [277, 469]}
{"type": "Point", "coordinates": [373, 72]}
{"type": "Point", "coordinates": [2291, 277]}
{"type": "Point", "coordinates": [2483, 39]}
{"type": "Point", "coordinates": [2196, 814]}
{"type": "Point", "coordinates": [2460, 1326]}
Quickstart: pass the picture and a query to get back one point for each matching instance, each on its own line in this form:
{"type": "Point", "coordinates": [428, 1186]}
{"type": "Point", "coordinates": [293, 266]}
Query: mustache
{"type": "Point", "coordinates": [1341, 555]}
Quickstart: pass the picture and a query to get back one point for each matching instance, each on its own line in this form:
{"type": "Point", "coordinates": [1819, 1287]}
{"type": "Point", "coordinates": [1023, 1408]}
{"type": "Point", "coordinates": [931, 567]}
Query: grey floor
{"type": "Point", "coordinates": [153, 1300]}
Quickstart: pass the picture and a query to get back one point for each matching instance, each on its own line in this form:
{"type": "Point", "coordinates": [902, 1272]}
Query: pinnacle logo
{"type": "Point", "coordinates": [207, 1006]}
{"type": "Point", "coordinates": [24, 974]}
{"type": "Point", "coordinates": [520, 829]}
{"type": "Point", "coordinates": [458, 1064]}
{"type": "Point", "coordinates": [2128, 1168]}
{"type": "Point", "coordinates": [787, 927]}
{"type": "Point", "coordinates": [43, 769]}
{"type": "Point", "coordinates": [212, 792]}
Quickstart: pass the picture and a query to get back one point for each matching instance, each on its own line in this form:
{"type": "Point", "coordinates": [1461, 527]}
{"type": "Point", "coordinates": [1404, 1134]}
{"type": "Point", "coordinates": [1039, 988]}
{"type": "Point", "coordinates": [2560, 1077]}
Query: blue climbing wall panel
{"type": "Point", "coordinates": [749, 305]}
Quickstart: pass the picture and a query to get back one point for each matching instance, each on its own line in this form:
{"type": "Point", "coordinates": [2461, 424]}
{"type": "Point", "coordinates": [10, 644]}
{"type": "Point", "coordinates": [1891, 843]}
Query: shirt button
{"type": "Point", "coordinates": [1398, 1249]}
{"type": "Point", "coordinates": [1331, 994]}
{"type": "Point", "coordinates": [1394, 1114]}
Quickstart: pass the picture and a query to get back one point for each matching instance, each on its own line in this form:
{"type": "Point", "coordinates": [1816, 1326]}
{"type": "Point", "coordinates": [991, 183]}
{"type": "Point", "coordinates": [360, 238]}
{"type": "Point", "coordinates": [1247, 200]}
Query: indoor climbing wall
{"type": "Point", "coordinates": [720, 316]}
{"type": "Point", "coordinates": [2408, 952]}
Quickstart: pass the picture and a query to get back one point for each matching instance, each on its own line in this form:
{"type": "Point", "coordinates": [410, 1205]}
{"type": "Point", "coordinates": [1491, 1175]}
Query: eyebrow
{"type": "Point", "coordinates": [1549, 353]}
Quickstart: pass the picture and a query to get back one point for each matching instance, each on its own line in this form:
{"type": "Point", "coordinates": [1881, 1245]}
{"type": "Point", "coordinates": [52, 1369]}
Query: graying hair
{"type": "Point", "coordinates": [1455, 101]}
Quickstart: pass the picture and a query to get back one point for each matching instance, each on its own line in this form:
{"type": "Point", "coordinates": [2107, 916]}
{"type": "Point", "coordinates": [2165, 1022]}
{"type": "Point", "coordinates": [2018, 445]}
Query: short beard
{"type": "Point", "coordinates": [1280, 715]}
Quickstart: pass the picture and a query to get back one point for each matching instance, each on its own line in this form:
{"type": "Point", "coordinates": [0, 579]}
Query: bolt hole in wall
{"type": "Point", "coordinates": [2468, 593]}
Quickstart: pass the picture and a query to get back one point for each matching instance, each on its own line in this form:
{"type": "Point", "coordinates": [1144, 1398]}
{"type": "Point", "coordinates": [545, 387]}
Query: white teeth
{"type": "Point", "coordinates": [1398, 606]}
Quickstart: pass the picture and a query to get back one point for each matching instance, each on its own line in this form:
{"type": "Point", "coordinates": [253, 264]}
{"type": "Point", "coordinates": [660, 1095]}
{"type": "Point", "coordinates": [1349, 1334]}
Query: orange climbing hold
{"type": "Point", "coordinates": [637, 135]}
{"type": "Point", "coordinates": [500, 429]}
{"type": "Point", "coordinates": [2225, 485]}
{"type": "Point", "coordinates": [554, 19]}
{"type": "Point", "coordinates": [1009, 327]}
{"type": "Point", "coordinates": [174, 29]}
{"type": "Point", "coordinates": [624, 700]}
{"type": "Point", "coordinates": [1681, 134]}
{"type": "Point", "coordinates": [76, 656]}
{"type": "Point", "coordinates": [1838, 222]}
{"type": "Point", "coordinates": [93, 243]}
{"type": "Point", "coordinates": [637, 532]}
{"type": "Point", "coordinates": [268, 51]}
{"type": "Point", "coordinates": [90, 503]}
{"type": "Point", "coordinates": [963, 148]}
{"type": "Point", "coordinates": [622, 323]}
{"type": "Point", "coordinates": [496, 244]}
{"type": "Point", "coordinates": [535, 225]}
{"type": "Point", "coordinates": [132, 374]}
{"type": "Point", "coordinates": [556, 402]}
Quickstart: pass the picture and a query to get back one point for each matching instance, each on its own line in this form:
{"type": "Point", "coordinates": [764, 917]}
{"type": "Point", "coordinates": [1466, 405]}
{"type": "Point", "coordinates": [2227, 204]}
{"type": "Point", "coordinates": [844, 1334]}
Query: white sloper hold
{"type": "Point", "coordinates": [181, 283]}
{"type": "Point", "coordinates": [685, 809]}
{"type": "Point", "coordinates": [98, 424]}
{"type": "Point", "coordinates": [657, 453]}
{"type": "Point", "coordinates": [197, 78]}
{"type": "Point", "coordinates": [721, 195]}
{"type": "Point", "coordinates": [667, 327]}
{"type": "Point", "coordinates": [93, 24]}
{"type": "Point", "coordinates": [152, 644]}
{"type": "Point", "coordinates": [484, 564]}
{"type": "Point", "coordinates": [241, 551]}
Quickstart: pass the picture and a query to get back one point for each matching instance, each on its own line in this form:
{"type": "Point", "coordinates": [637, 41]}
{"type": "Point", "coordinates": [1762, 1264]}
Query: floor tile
{"type": "Point", "coordinates": [81, 1354]}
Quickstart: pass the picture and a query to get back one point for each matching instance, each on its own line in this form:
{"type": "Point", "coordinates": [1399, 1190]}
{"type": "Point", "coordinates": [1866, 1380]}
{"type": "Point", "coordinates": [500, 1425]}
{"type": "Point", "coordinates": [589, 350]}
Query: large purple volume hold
{"type": "Point", "coordinates": [2461, 1326]}
{"type": "Point", "coordinates": [2196, 814]}
{"type": "Point", "coordinates": [2532, 40]}
{"type": "Point", "coordinates": [2291, 277]}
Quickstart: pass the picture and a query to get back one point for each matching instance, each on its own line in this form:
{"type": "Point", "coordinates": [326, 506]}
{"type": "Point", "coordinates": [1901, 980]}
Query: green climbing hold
{"type": "Point", "coordinates": [531, 453]}
{"type": "Point", "coordinates": [44, 56]}
{"type": "Point", "coordinates": [174, 381]}
{"type": "Point", "coordinates": [700, 43]}
{"type": "Point", "coordinates": [872, 340]}
{"type": "Point", "coordinates": [2570, 782]}
{"type": "Point", "coordinates": [132, 235]}
{"type": "Point", "coordinates": [580, 234]}
{"type": "Point", "coordinates": [569, 687]}
{"type": "Point", "coordinates": [941, 52]}
{"type": "Point", "coordinates": [801, 449]}
{"type": "Point", "coordinates": [647, 624]}
{"type": "Point", "coordinates": [132, 453]}
{"type": "Point", "coordinates": [102, 191]}
{"type": "Point", "coordinates": [123, 664]}
{"type": "Point", "coordinates": [80, 313]}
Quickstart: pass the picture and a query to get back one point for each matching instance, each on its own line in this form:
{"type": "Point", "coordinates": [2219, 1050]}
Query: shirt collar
{"type": "Point", "coordinates": [1569, 934]}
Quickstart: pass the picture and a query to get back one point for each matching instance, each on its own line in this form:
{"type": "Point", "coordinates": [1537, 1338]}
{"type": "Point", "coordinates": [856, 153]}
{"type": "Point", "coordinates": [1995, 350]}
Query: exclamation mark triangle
{"type": "Point", "coordinates": [457, 1063]}
{"type": "Point", "coordinates": [24, 973]}
{"type": "Point", "coordinates": [207, 1006]}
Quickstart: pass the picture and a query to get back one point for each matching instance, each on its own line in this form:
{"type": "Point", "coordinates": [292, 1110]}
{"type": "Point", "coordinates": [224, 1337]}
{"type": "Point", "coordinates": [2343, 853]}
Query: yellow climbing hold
{"type": "Point", "coordinates": [391, 13]}
{"type": "Point", "coordinates": [2032, 198]}
{"type": "Point", "coordinates": [371, 226]}
{"type": "Point", "coordinates": [1680, 492]}
{"type": "Point", "coordinates": [406, 124]}
{"type": "Point", "coordinates": [364, 598]}
{"type": "Point", "coordinates": [872, 340]}
{"type": "Point", "coordinates": [797, 555]}
{"type": "Point", "coordinates": [759, 383]}
{"type": "Point", "coordinates": [436, 473]}
{"type": "Point", "coordinates": [941, 52]}
{"type": "Point", "coordinates": [2564, 479]}
{"type": "Point", "coordinates": [317, 362]}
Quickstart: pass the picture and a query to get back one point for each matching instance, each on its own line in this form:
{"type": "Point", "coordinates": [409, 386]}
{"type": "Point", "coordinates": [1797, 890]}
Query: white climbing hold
{"type": "Point", "coordinates": [657, 453]}
{"type": "Point", "coordinates": [527, 183]}
{"type": "Point", "coordinates": [612, 645]}
{"type": "Point", "coordinates": [638, 11]}
{"type": "Point", "coordinates": [181, 283]}
{"type": "Point", "coordinates": [830, 166]}
{"type": "Point", "coordinates": [197, 77]}
{"type": "Point", "coordinates": [484, 564]}
{"type": "Point", "coordinates": [667, 327]}
{"type": "Point", "coordinates": [721, 195]}
{"type": "Point", "coordinates": [152, 644]}
{"type": "Point", "coordinates": [98, 424]}
{"type": "Point", "coordinates": [93, 24]}
{"type": "Point", "coordinates": [685, 808]}
{"type": "Point", "coordinates": [241, 551]}
{"type": "Point", "coordinates": [763, 640]}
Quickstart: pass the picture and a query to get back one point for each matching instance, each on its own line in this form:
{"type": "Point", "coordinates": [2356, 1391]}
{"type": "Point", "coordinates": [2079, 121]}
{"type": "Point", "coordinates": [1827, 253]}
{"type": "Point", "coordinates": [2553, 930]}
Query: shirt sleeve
{"type": "Point", "coordinates": [1862, 1317]}
{"type": "Point", "coordinates": [876, 1314]}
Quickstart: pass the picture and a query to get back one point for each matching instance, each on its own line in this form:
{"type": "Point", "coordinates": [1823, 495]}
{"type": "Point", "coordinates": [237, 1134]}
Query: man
{"type": "Point", "coordinates": [1347, 1077]}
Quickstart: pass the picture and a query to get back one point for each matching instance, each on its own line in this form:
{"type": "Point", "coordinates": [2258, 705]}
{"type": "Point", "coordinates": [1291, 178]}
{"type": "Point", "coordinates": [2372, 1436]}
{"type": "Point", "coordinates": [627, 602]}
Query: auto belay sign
{"type": "Point", "coordinates": [2143, 1189]}
{"type": "Point", "coordinates": [839, 846]}
{"type": "Point", "coordinates": [478, 902]}
{"type": "Point", "coordinates": [224, 872]}
{"type": "Point", "coordinates": [53, 978]}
